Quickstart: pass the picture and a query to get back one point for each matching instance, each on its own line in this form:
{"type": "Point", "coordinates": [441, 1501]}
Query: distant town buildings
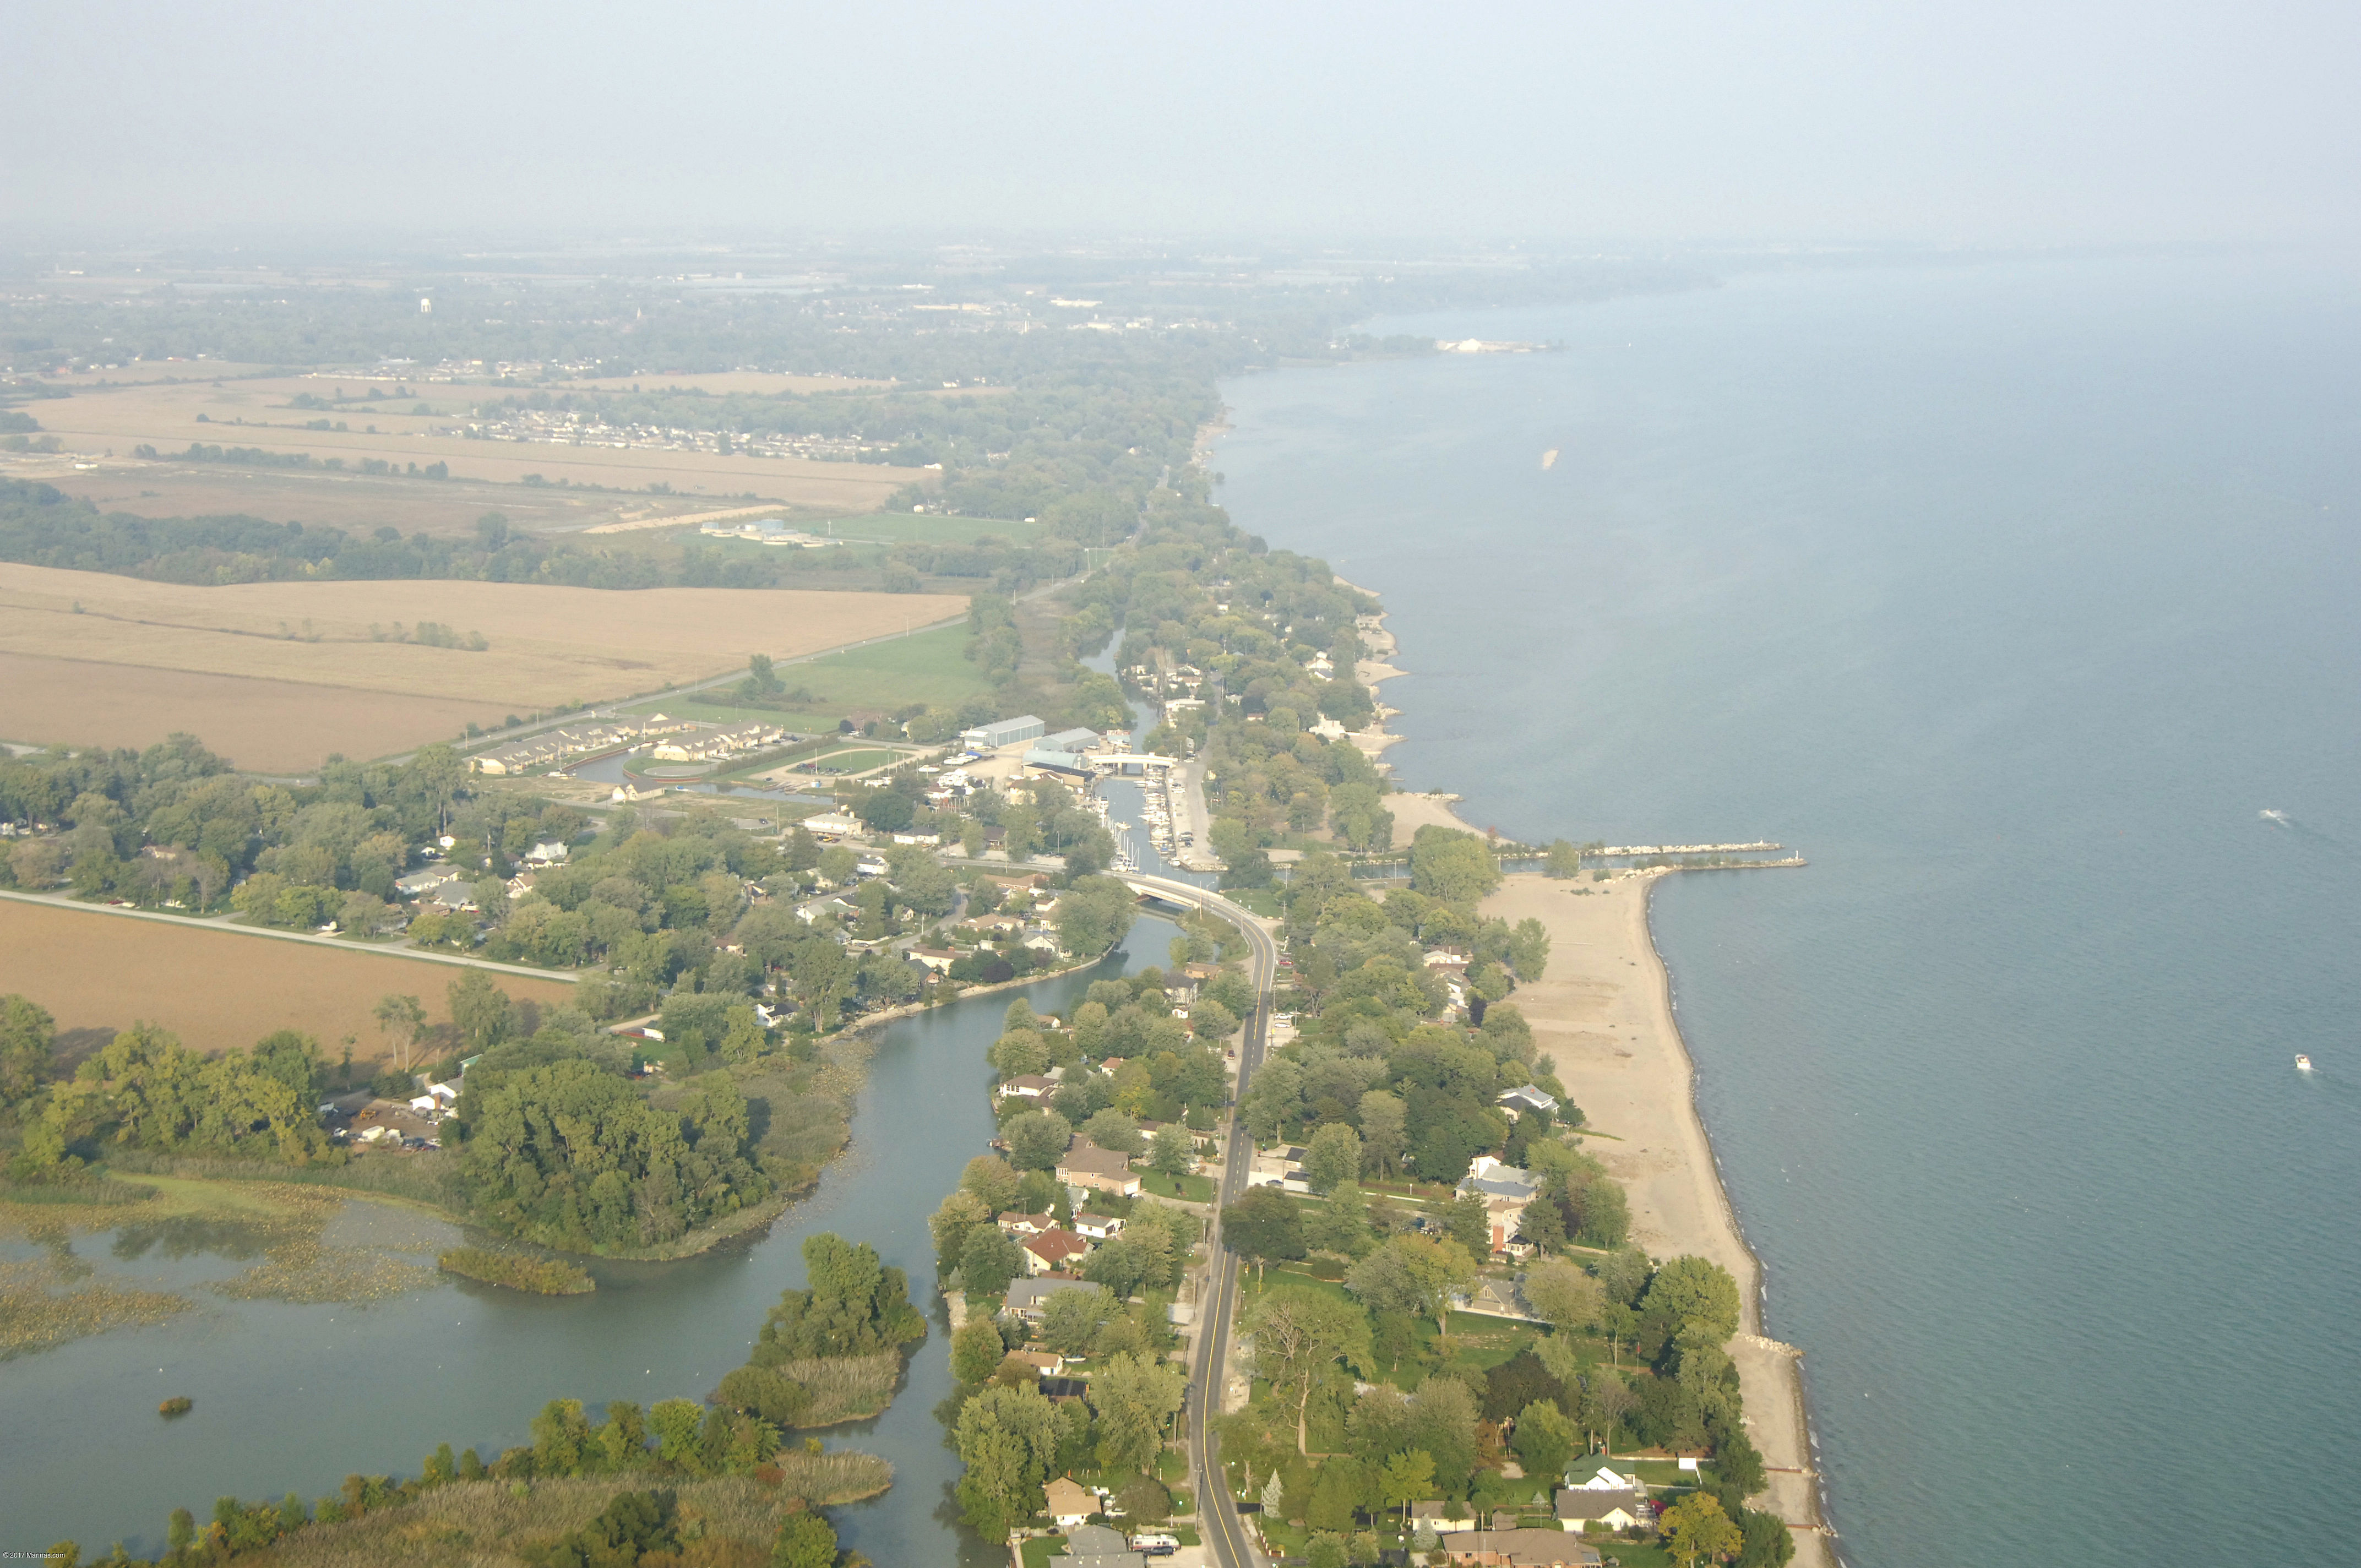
{"type": "Point", "coordinates": [553, 746]}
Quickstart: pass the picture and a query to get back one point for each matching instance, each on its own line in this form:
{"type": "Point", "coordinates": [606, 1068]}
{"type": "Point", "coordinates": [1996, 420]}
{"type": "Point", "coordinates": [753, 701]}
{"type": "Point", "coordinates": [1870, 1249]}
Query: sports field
{"type": "Point", "coordinates": [215, 989]}
{"type": "Point", "coordinates": [122, 639]}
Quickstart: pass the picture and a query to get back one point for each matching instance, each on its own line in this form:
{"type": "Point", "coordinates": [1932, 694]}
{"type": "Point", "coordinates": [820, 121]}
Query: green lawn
{"type": "Point", "coordinates": [1187, 1189]}
{"type": "Point", "coordinates": [929, 666]}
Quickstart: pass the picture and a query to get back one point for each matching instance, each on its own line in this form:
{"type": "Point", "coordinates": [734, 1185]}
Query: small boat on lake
{"type": "Point", "coordinates": [2302, 1063]}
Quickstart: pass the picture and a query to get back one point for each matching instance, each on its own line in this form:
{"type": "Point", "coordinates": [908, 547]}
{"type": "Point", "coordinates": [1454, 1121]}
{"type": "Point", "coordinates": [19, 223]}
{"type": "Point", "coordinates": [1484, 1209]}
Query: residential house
{"type": "Point", "coordinates": [1595, 1474]}
{"type": "Point", "coordinates": [1098, 1227]}
{"type": "Point", "coordinates": [549, 852]}
{"type": "Point", "coordinates": [1444, 1516]}
{"type": "Point", "coordinates": [1052, 1251]}
{"type": "Point", "coordinates": [1530, 1097]}
{"type": "Point", "coordinates": [1044, 1363]}
{"type": "Point", "coordinates": [1581, 1508]}
{"type": "Point", "coordinates": [1094, 1546]}
{"type": "Point", "coordinates": [419, 883]}
{"type": "Point", "coordinates": [1507, 1192]}
{"type": "Point", "coordinates": [1027, 1297]}
{"type": "Point", "coordinates": [1519, 1549]}
{"type": "Point", "coordinates": [1027, 1086]}
{"type": "Point", "coordinates": [939, 960]}
{"type": "Point", "coordinates": [1100, 1170]}
{"type": "Point", "coordinates": [1072, 1505]}
{"type": "Point", "coordinates": [1024, 1225]}
{"type": "Point", "coordinates": [832, 825]}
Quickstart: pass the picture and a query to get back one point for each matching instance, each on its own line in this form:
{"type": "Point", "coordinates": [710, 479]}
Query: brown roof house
{"type": "Point", "coordinates": [1070, 1503]}
{"type": "Point", "coordinates": [1100, 1170]}
{"type": "Point", "coordinates": [1519, 1549]}
{"type": "Point", "coordinates": [1051, 1251]}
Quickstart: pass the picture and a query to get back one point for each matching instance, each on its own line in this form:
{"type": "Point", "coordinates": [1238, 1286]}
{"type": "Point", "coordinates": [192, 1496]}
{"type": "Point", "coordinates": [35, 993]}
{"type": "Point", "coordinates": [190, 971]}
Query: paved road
{"type": "Point", "coordinates": [1217, 1514]}
{"type": "Point", "coordinates": [217, 922]}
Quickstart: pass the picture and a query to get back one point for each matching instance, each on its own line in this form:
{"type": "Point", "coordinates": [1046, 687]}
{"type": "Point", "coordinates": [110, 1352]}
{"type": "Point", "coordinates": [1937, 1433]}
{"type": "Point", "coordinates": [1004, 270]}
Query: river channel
{"type": "Point", "coordinates": [297, 1397]}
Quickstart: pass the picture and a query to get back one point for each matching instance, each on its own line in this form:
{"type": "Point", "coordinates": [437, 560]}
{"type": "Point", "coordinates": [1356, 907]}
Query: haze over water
{"type": "Point", "coordinates": [2010, 595]}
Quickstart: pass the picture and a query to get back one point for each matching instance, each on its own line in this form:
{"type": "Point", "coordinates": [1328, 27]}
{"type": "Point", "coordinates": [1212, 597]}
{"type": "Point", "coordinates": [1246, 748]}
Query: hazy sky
{"type": "Point", "coordinates": [1984, 122]}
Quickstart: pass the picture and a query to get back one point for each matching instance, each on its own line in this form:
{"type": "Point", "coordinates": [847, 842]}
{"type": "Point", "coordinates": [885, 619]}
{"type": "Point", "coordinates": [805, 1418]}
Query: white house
{"type": "Point", "coordinates": [1507, 1192]}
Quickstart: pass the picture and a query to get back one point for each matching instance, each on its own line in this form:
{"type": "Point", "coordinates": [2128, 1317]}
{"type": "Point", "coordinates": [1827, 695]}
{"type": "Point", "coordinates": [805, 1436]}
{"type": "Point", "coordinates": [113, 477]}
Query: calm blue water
{"type": "Point", "coordinates": [300, 1396]}
{"type": "Point", "coordinates": [2010, 595]}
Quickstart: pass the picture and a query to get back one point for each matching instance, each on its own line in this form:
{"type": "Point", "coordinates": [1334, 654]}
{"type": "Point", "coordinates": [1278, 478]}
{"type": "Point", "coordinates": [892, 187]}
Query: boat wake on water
{"type": "Point", "coordinates": [2272, 817]}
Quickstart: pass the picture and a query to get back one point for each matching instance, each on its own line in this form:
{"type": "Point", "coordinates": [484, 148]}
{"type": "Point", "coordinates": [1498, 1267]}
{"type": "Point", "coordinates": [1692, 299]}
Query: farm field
{"type": "Point", "coordinates": [270, 726]}
{"type": "Point", "coordinates": [547, 645]}
{"type": "Point", "coordinates": [215, 989]}
{"type": "Point", "coordinates": [256, 413]}
{"type": "Point", "coordinates": [357, 503]}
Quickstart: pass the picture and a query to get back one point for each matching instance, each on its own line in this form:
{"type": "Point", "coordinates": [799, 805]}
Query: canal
{"type": "Point", "coordinates": [295, 1396]}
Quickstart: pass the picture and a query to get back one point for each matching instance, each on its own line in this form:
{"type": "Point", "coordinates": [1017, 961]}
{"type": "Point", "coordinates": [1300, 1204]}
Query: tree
{"type": "Point", "coordinates": [977, 1349]}
{"type": "Point", "coordinates": [1071, 1320]}
{"type": "Point", "coordinates": [1564, 859]}
{"type": "Point", "coordinates": [1038, 1139]}
{"type": "Point", "coordinates": [1172, 1152]}
{"type": "Point", "coordinates": [403, 1019]}
{"type": "Point", "coordinates": [1469, 1222]}
{"type": "Point", "coordinates": [1093, 914]}
{"type": "Point", "coordinates": [478, 1009]}
{"type": "Point", "coordinates": [27, 1034]}
{"type": "Point", "coordinates": [1563, 1294]}
{"type": "Point", "coordinates": [1544, 1439]}
{"type": "Point", "coordinates": [994, 1181]}
{"type": "Point", "coordinates": [1415, 1274]}
{"type": "Point", "coordinates": [1408, 1476]}
{"type": "Point", "coordinates": [856, 1305]}
{"type": "Point", "coordinates": [1262, 1225]}
{"type": "Point", "coordinates": [1111, 1129]}
{"type": "Point", "coordinates": [1333, 1157]}
{"type": "Point", "coordinates": [806, 1540]}
{"type": "Point", "coordinates": [1384, 1135]}
{"type": "Point", "coordinates": [1299, 1334]}
{"type": "Point", "coordinates": [1454, 867]}
{"type": "Point", "coordinates": [1694, 1298]}
{"type": "Point", "coordinates": [1007, 1439]}
{"type": "Point", "coordinates": [1696, 1527]}
{"type": "Point", "coordinates": [1134, 1397]}
{"type": "Point", "coordinates": [989, 1260]}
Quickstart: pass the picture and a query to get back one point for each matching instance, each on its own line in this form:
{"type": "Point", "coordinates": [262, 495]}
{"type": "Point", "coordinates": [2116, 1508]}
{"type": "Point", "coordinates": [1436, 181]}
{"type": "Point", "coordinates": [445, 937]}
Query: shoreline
{"type": "Point", "coordinates": [1619, 1049]}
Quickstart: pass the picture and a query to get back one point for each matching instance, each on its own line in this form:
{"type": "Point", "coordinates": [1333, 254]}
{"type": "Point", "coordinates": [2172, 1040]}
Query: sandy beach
{"type": "Point", "coordinates": [1604, 1014]}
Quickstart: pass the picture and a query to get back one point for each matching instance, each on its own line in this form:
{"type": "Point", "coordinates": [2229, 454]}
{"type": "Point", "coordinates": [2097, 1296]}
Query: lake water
{"type": "Point", "coordinates": [299, 1397]}
{"type": "Point", "coordinates": [2010, 595]}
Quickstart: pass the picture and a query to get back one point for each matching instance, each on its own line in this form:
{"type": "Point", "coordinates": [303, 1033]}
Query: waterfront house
{"type": "Point", "coordinates": [1591, 1473]}
{"type": "Point", "coordinates": [1530, 1097]}
{"type": "Point", "coordinates": [1583, 1508]}
{"type": "Point", "coordinates": [1101, 1170]}
{"type": "Point", "coordinates": [1051, 1251]}
{"type": "Point", "coordinates": [939, 960]}
{"type": "Point", "coordinates": [1507, 1192]}
{"type": "Point", "coordinates": [1027, 1086]}
{"type": "Point", "coordinates": [1519, 1549]}
{"type": "Point", "coordinates": [1095, 1546]}
{"type": "Point", "coordinates": [1070, 1503]}
{"type": "Point", "coordinates": [1027, 1297]}
{"type": "Point", "coordinates": [1024, 1225]}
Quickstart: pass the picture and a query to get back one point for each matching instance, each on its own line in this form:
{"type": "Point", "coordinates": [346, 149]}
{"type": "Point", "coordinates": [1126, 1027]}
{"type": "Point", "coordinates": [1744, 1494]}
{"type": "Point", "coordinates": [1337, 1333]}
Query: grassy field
{"type": "Point", "coordinates": [929, 667]}
{"type": "Point", "coordinates": [257, 412]}
{"type": "Point", "coordinates": [215, 989]}
{"type": "Point", "coordinates": [546, 646]}
{"type": "Point", "coordinates": [1187, 1189]}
